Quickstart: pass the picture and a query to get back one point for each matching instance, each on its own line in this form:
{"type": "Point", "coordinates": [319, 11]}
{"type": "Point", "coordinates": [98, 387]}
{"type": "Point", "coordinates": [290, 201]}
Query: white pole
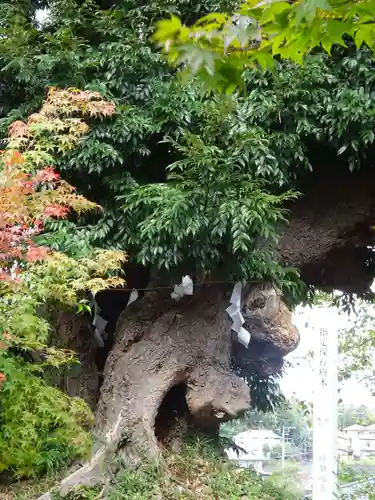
{"type": "Point", "coordinates": [283, 449]}
{"type": "Point", "coordinates": [325, 415]}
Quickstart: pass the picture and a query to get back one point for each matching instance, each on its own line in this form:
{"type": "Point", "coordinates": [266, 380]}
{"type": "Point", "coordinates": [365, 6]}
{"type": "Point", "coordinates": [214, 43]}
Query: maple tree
{"type": "Point", "coordinates": [31, 192]}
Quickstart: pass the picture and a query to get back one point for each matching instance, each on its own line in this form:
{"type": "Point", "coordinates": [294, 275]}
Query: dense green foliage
{"type": "Point", "coordinates": [41, 428]}
{"type": "Point", "coordinates": [366, 490]}
{"type": "Point", "coordinates": [219, 46]}
{"type": "Point", "coordinates": [186, 180]}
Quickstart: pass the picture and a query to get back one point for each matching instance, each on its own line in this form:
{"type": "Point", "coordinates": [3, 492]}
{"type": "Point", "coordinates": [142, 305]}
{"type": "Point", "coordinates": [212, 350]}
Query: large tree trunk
{"type": "Point", "coordinates": [174, 359]}
{"type": "Point", "coordinates": [330, 237]}
{"type": "Point", "coordinates": [171, 370]}
{"type": "Point", "coordinates": [161, 344]}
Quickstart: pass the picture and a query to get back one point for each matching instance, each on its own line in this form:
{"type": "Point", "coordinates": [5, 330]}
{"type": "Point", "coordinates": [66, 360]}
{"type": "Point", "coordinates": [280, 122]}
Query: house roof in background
{"type": "Point", "coordinates": [355, 427]}
{"type": "Point", "coordinates": [258, 434]}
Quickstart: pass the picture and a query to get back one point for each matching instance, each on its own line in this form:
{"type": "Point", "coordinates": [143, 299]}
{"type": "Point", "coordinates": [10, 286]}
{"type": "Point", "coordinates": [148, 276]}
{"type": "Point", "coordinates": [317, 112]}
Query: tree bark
{"type": "Point", "coordinates": [178, 356]}
{"type": "Point", "coordinates": [163, 347]}
{"type": "Point", "coordinates": [78, 379]}
{"type": "Point", "coordinates": [162, 343]}
{"type": "Point", "coordinates": [330, 236]}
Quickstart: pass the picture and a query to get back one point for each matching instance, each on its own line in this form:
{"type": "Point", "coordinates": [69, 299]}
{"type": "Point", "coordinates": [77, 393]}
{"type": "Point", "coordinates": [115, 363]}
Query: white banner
{"type": "Point", "coordinates": [325, 415]}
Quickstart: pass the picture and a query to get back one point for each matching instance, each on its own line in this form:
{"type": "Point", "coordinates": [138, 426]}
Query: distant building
{"type": "Point", "coordinates": [361, 439]}
{"type": "Point", "coordinates": [253, 443]}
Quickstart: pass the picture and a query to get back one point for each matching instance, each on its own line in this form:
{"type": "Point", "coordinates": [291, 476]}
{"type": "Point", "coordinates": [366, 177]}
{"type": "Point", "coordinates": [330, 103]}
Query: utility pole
{"type": "Point", "coordinates": [325, 414]}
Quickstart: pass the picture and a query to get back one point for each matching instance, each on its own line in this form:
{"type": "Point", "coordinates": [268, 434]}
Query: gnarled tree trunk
{"type": "Point", "coordinates": [172, 363]}
{"type": "Point", "coordinates": [175, 358]}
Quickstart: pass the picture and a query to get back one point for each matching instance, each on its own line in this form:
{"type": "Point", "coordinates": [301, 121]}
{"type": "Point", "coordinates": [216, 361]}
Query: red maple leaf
{"type": "Point", "coordinates": [28, 186]}
{"type": "Point", "coordinates": [5, 275]}
{"type": "Point", "coordinates": [55, 210]}
{"type": "Point", "coordinates": [15, 159]}
{"type": "Point", "coordinates": [17, 129]}
{"type": "Point", "coordinates": [47, 174]}
{"type": "Point", "coordinates": [35, 253]}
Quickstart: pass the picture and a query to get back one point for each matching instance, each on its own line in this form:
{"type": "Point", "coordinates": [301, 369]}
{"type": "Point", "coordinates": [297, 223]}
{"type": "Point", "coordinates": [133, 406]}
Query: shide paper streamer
{"type": "Point", "coordinates": [234, 311]}
{"type": "Point", "coordinates": [98, 323]}
{"type": "Point", "coordinates": [185, 288]}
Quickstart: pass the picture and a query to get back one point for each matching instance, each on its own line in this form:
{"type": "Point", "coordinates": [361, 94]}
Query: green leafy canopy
{"type": "Point", "coordinates": [175, 166]}
{"type": "Point", "coordinates": [219, 46]}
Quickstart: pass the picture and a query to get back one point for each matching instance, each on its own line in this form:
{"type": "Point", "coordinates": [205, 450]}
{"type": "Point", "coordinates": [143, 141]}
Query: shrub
{"type": "Point", "coordinates": [41, 429]}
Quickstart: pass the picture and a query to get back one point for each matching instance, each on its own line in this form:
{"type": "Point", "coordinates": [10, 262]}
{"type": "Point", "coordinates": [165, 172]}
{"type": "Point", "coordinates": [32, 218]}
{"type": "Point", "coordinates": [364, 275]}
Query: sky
{"type": "Point", "coordinates": [299, 379]}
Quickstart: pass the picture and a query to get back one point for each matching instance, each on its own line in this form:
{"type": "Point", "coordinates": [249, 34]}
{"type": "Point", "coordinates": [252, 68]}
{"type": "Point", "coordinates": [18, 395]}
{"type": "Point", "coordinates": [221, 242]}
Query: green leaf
{"type": "Point", "coordinates": [342, 149]}
{"type": "Point", "coordinates": [307, 9]}
{"type": "Point", "coordinates": [167, 28]}
{"type": "Point", "coordinates": [213, 19]}
{"type": "Point", "coordinates": [272, 11]}
{"type": "Point", "coordinates": [276, 42]}
{"type": "Point", "coordinates": [265, 60]}
{"type": "Point", "coordinates": [327, 45]}
{"type": "Point", "coordinates": [336, 30]}
{"type": "Point", "coordinates": [365, 34]}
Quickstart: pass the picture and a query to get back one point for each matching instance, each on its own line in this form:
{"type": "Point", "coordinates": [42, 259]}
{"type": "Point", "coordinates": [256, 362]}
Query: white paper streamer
{"type": "Point", "coordinates": [99, 323]}
{"type": "Point", "coordinates": [244, 337]}
{"type": "Point", "coordinates": [234, 311]}
{"type": "Point", "coordinates": [186, 288]}
{"type": "Point", "coordinates": [236, 295]}
{"type": "Point", "coordinates": [133, 297]}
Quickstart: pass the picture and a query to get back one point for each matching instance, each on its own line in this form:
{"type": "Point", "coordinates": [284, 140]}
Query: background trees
{"type": "Point", "coordinates": [290, 414]}
{"type": "Point", "coordinates": [351, 415]}
{"type": "Point", "coordinates": [357, 346]}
